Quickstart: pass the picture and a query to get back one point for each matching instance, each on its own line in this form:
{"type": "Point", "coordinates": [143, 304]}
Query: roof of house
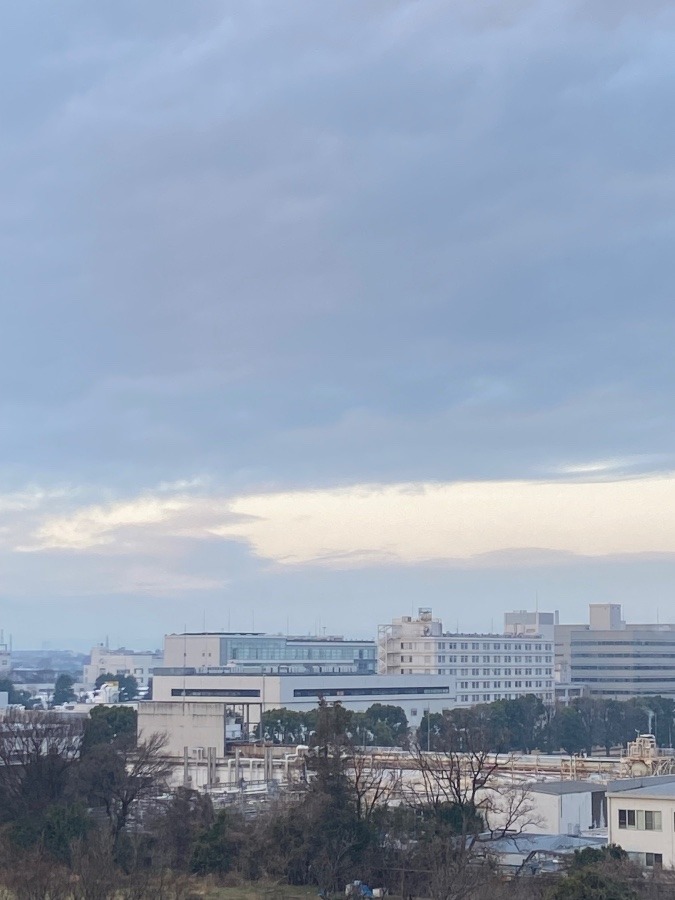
{"type": "Point", "coordinates": [526, 843]}
{"type": "Point", "coordinates": [564, 787]}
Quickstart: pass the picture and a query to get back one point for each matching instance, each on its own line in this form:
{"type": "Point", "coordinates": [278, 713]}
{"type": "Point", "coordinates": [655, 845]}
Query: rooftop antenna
{"type": "Point", "coordinates": [536, 601]}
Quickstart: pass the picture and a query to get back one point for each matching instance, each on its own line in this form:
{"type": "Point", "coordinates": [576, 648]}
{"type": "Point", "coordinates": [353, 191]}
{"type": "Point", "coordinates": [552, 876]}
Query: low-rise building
{"type": "Point", "coordinates": [486, 667]}
{"type": "Point", "coordinates": [641, 819]}
{"type": "Point", "coordinates": [121, 662]}
{"type": "Point", "coordinates": [252, 694]}
{"type": "Point", "coordinates": [567, 807]}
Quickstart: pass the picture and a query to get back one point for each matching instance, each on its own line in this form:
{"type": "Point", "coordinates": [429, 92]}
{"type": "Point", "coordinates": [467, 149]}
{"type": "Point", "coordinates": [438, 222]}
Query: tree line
{"type": "Point", "coordinates": [586, 725]}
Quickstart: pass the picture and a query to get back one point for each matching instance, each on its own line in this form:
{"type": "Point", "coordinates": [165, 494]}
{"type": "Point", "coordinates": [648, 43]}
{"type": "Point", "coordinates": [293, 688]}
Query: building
{"type": "Point", "coordinates": [486, 667]}
{"type": "Point", "coordinates": [614, 659]}
{"type": "Point", "coordinates": [532, 853]}
{"type": "Point", "coordinates": [641, 817]}
{"type": "Point", "coordinates": [121, 662]}
{"type": "Point", "coordinates": [5, 658]}
{"type": "Point", "coordinates": [568, 807]}
{"type": "Point", "coordinates": [521, 623]}
{"type": "Point", "coordinates": [249, 695]}
{"type": "Point", "coordinates": [258, 652]}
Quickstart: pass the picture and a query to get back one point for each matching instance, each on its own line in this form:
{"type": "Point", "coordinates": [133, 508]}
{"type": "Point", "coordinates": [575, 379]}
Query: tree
{"type": "Point", "coordinates": [109, 725]}
{"type": "Point", "coordinates": [591, 884]}
{"type": "Point", "coordinates": [569, 730]}
{"type": "Point", "coordinates": [118, 777]}
{"type": "Point", "coordinates": [38, 758]}
{"type": "Point", "coordinates": [63, 689]}
{"type": "Point", "coordinates": [16, 696]}
{"type": "Point", "coordinates": [127, 685]}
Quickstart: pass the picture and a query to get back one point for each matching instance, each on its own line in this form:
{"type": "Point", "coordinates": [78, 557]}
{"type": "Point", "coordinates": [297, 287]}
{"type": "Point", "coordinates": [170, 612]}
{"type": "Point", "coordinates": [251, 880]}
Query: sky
{"type": "Point", "coordinates": [317, 313]}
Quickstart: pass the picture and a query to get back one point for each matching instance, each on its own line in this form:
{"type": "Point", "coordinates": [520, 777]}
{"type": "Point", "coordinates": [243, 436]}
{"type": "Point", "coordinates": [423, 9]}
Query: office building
{"type": "Point", "coordinates": [486, 667]}
{"type": "Point", "coordinates": [269, 653]}
{"type": "Point", "coordinates": [616, 660]}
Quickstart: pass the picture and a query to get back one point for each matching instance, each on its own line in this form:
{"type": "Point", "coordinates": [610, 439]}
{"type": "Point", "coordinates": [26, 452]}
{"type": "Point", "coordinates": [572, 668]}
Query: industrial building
{"type": "Point", "coordinates": [252, 694]}
{"type": "Point", "coordinates": [269, 653]}
{"type": "Point", "coordinates": [486, 667]}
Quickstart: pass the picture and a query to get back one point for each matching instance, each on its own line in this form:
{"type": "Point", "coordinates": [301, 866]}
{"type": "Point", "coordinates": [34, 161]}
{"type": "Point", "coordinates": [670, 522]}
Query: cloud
{"type": "Point", "coordinates": [372, 525]}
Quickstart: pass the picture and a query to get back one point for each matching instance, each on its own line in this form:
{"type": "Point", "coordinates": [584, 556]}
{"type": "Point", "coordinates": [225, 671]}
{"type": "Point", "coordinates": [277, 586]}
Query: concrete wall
{"type": "Point", "coordinates": [185, 724]}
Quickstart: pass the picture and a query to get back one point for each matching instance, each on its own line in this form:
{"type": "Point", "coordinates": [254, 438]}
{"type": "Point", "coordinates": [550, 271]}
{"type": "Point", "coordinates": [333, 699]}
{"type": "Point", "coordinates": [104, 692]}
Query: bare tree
{"type": "Point", "coordinates": [372, 783]}
{"type": "Point", "coordinates": [120, 778]}
{"type": "Point", "coordinates": [38, 751]}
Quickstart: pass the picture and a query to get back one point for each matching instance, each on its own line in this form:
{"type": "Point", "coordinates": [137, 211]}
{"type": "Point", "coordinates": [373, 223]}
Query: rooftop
{"type": "Point", "coordinates": [564, 787]}
{"type": "Point", "coordinates": [663, 790]}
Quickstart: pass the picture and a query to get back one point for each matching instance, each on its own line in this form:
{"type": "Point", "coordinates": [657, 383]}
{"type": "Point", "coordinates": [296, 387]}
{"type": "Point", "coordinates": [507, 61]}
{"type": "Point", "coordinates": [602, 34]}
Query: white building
{"type": "Point", "coordinates": [641, 813]}
{"type": "Point", "coordinates": [252, 694]}
{"type": "Point", "coordinates": [486, 667]}
{"type": "Point", "coordinates": [121, 662]}
{"type": "Point", "coordinates": [567, 807]}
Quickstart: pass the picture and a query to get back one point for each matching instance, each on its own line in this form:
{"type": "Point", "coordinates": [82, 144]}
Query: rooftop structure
{"type": "Point", "coordinates": [269, 653]}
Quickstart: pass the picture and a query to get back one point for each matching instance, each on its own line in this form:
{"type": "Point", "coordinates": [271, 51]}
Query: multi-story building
{"type": "Point", "coordinates": [614, 659]}
{"type": "Point", "coordinates": [486, 667]}
{"type": "Point", "coordinates": [121, 662]}
{"type": "Point", "coordinates": [270, 653]}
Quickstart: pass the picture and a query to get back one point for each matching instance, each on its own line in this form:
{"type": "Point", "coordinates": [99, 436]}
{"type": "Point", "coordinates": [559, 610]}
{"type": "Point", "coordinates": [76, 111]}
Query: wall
{"type": "Point", "coordinates": [635, 841]}
{"type": "Point", "coordinates": [185, 724]}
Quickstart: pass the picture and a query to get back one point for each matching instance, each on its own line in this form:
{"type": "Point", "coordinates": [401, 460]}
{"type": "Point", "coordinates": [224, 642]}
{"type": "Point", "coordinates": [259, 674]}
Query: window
{"type": "Point", "coordinates": [652, 820]}
{"type": "Point", "coordinates": [475, 645]}
{"type": "Point", "coordinates": [653, 860]}
{"type": "Point", "coordinates": [413, 711]}
{"type": "Point", "coordinates": [640, 819]}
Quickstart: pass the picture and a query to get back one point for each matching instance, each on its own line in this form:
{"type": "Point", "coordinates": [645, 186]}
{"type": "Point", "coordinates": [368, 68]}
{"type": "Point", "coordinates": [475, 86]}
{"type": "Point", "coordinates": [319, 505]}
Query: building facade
{"type": "Point", "coordinates": [269, 653]}
{"type": "Point", "coordinates": [486, 667]}
{"type": "Point", "coordinates": [252, 694]}
{"type": "Point", "coordinates": [121, 662]}
{"type": "Point", "coordinates": [616, 660]}
{"type": "Point", "coordinates": [641, 815]}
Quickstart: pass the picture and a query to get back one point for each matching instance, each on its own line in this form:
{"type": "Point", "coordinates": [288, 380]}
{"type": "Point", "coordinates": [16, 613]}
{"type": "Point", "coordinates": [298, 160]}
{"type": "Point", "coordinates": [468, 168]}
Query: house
{"type": "Point", "coordinates": [641, 819]}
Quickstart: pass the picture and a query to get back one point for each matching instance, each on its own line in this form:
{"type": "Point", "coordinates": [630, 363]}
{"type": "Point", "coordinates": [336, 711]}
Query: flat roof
{"type": "Point", "coordinates": [663, 790]}
{"type": "Point", "coordinates": [565, 787]}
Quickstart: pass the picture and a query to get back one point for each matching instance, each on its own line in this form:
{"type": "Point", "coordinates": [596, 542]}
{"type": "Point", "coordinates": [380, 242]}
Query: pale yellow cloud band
{"type": "Point", "coordinates": [413, 522]}
{"type": "Point", "coordinates": [405, 523]}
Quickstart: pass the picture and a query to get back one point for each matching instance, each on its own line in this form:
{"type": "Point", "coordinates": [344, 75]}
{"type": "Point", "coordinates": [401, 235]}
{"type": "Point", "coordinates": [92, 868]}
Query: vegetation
{"type": "Point", "coordinates": [588, 724]}
{"type": "Point", "coordinates": [127, 685]}
{"type": "Point", "coordinates": [85, 812]}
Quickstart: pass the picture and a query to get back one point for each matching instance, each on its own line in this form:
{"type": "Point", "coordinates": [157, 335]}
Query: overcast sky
{"type": "Point", "coordinates": [318, 312]}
